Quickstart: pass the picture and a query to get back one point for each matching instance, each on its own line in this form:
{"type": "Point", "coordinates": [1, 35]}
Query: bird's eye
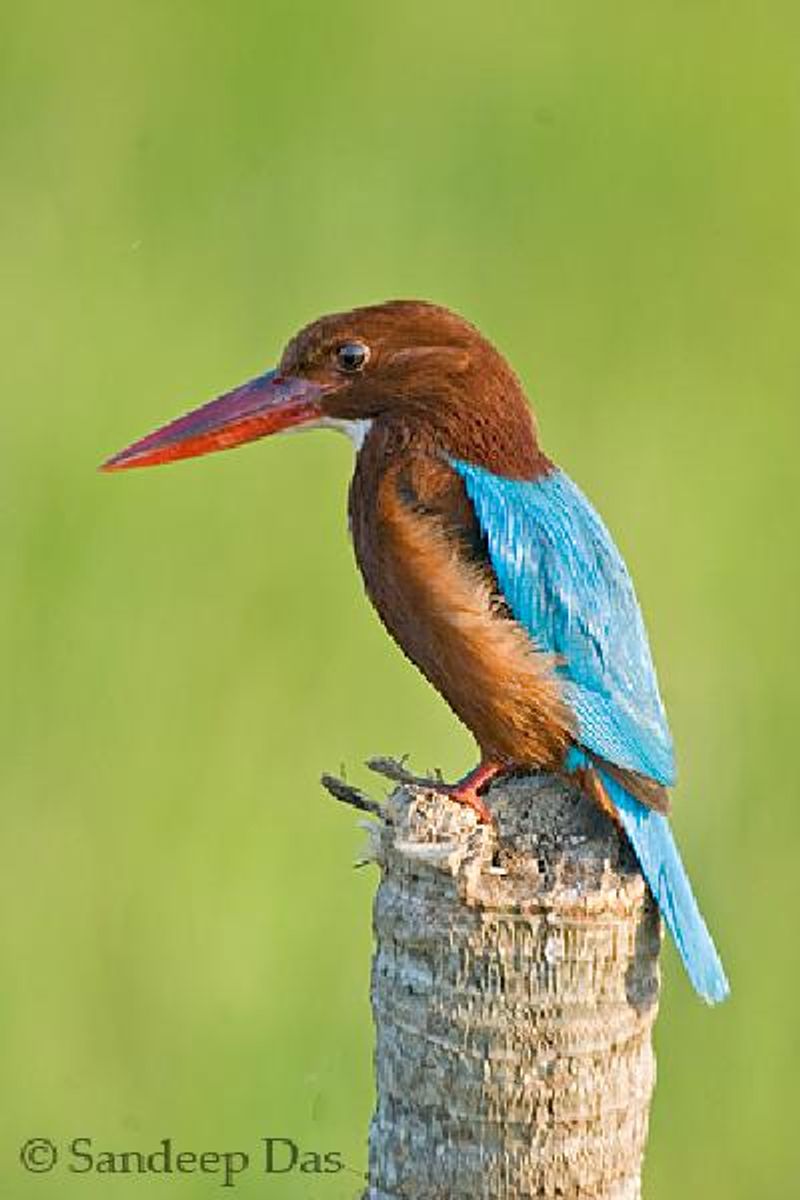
{"type": "Point", "coordinates": [352, 356]}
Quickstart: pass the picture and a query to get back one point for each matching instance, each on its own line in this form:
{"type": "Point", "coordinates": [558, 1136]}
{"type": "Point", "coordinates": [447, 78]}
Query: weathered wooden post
{"type": "Point", "coordinates": [514, 989]}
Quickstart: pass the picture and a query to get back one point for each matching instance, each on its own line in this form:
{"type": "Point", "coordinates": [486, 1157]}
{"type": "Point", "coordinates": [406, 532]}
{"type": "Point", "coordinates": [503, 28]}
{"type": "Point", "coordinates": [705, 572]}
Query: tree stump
{"type": "Point", "coordinates": [514, 989]}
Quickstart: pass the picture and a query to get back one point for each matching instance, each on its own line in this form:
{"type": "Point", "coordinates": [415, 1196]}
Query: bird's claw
{"type": "Point", "coordinates": [470, 797]}
{"type": "Point", "coordinates": [467, 792]}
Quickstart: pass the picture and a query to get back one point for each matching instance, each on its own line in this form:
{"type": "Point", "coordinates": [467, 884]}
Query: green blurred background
{"type": "Point", "coordinates": [611, 192]}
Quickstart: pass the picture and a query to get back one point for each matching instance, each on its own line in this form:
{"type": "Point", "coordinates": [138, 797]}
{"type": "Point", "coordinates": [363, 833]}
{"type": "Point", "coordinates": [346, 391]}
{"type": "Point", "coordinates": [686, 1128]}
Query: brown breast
{"type": "Point", "coordinates": [426, 570]}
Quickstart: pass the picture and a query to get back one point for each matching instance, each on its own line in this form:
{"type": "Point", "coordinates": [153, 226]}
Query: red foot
{"type": "Point", "coordinates": [468, 790]}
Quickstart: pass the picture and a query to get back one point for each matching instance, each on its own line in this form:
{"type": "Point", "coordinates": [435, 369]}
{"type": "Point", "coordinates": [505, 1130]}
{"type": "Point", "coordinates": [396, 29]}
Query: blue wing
{"type": "Point", "coordinates": [565, 582]}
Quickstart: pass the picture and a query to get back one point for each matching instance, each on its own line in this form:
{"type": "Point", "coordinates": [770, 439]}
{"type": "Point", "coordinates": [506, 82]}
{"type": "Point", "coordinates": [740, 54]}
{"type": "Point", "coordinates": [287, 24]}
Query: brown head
{"type": "Point", "coordinates": [414, 366]}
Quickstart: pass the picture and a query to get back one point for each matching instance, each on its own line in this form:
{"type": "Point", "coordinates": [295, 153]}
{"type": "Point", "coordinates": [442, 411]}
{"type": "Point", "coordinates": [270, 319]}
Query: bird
{"type": "Point", "coordinates": [486, 564]}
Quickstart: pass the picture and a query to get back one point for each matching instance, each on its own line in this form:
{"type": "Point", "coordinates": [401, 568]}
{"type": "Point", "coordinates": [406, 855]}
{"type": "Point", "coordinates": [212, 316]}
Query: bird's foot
{"type": "Point", "coordinates": [468, 791]}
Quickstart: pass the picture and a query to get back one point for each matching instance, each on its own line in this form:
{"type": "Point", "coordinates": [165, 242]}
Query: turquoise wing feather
{"type": "Point", "coordinates": [565, 582]}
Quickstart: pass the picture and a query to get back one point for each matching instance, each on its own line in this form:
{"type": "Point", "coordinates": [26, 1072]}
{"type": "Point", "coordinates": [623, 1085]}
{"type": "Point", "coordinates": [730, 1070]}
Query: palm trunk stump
{"type": "Point", "coordinates": [514, 989]}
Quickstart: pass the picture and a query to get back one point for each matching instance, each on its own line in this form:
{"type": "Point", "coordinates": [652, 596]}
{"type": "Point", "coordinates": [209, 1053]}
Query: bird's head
{"type": "Point", "coordinates": [404, 363]}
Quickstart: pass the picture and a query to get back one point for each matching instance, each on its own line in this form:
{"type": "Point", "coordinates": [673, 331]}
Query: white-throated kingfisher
{"type": "Point", "coordinates": [485, 562]}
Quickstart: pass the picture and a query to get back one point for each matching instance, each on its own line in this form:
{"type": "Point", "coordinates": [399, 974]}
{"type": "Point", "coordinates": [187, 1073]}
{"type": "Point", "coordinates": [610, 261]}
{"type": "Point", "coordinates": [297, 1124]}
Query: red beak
{"type": "Point", "coordinates": [268, 404]}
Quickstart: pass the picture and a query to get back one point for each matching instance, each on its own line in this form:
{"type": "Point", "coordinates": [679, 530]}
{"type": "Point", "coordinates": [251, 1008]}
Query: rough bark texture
{"type": "Point", "coordinates": [514, 988]}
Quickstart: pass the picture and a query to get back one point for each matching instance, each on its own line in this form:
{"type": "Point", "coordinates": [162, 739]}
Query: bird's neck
{"type": "Point", "coordinates": [494, 432]}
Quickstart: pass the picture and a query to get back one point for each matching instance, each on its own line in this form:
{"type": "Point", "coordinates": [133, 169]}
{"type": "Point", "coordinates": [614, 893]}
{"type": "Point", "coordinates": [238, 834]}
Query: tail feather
{"type": "Point", "coordinates": [654, 845]}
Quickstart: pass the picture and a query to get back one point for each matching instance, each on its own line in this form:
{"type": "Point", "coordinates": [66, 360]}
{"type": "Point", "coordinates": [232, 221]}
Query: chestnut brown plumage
{"type": "Point", "coordinates": [430, 388]}
{"type": "Point", "coordinates": [485, 563]}
{"type": "Point", "coordinates": [417, 541]}
{"type": "Point", "coordinates": [432, 380]}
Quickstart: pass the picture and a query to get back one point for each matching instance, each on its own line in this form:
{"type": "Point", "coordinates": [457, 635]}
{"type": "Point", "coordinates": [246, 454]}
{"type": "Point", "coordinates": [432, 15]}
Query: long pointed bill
{"type": "Point", "coordinates": [265, 405]}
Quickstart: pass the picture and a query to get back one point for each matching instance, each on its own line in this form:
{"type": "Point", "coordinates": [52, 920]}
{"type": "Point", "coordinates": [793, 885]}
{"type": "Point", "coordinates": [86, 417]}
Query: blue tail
{"type": "Point", "coordinates": [653, 843]}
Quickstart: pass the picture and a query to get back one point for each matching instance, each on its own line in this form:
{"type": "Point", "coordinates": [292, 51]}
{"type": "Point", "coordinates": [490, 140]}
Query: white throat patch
{"type": "Point", "coordinates": [355, 430]}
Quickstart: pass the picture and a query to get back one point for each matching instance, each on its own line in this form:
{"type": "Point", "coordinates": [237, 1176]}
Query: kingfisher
{"type": "Point", "coordinates": [486, 564]}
